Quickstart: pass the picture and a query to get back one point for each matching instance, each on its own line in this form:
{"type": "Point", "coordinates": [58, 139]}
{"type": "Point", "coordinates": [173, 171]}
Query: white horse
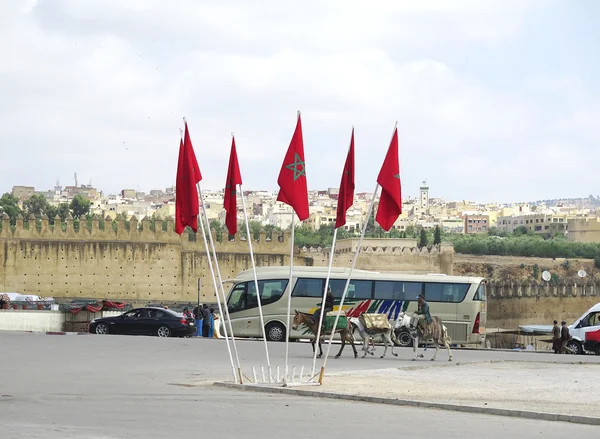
{"type": "Point", "coordinates": [387, 337]}
{"type": "Point", "coordinates": [437, 332]}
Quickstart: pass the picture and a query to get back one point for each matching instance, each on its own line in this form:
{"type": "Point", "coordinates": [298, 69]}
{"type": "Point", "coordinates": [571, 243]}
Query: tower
{"type": "Point", "coordinates": [424, 196]}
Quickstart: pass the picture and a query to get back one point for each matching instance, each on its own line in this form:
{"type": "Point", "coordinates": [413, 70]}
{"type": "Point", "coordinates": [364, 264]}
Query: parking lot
{"type": "Point", "coordinates": [122, 386]}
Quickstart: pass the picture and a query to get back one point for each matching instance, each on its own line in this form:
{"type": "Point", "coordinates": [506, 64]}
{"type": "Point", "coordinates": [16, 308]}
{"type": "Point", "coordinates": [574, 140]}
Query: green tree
{"type": "Point", "coordinates": [10, 206]}
{"type": "Point", "coordinates": [79, 206]}
{"type": "Point", "coordinates": [410, 231]}
{"type": "Point", "coordinates": [423, 239]}
{"type": "Point", "coordinates": [36, 205]}
{"type": "Point", "coordinates": [217, 226]}
{"type": "Point", "coordinates": [520, 231]}
{"type": "Point", "coordinates": [437, 235]}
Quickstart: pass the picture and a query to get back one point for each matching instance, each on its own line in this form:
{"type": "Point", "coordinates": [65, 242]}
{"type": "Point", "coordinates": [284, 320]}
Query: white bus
{"type": "Point", "coordinates": [459, 301]}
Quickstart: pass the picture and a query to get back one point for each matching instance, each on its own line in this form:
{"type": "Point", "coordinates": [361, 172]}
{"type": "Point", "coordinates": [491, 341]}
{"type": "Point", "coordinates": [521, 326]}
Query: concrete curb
{"type": "Point", "coordinates": [57, 333]}
{"type": "Point", "coordinates": [420, 404]}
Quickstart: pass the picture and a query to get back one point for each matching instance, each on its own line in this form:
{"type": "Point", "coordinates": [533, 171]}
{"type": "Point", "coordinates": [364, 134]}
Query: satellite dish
{"type": "Point", "coordinates": [581, 273]}
{"type": "Point", "coordinates": [546, 275]}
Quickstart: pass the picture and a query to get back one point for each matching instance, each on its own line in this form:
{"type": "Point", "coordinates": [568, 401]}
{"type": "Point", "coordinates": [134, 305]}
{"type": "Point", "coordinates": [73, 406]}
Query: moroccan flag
{"type": "Point", "coordinates": [233, 179]}
{"type": "Point", "coordinates": [292, 176]}
{"type": "Point", "coordinates": [346, 195]}
{"type": "Point", "coordinates": [390, 202]}
{"type": "Point", "coordinates": [186, 197]}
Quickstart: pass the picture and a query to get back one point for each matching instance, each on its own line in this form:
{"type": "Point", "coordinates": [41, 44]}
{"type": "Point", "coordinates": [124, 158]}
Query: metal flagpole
{"type": "Point", "coordinates": [362, 235]}
{"type": "Point", "coordinates": [235, 376]}
{"type": "Point", "coordinates": [312, 373]}
{"type": "Point", "coordinates": [289, 304]}
{"type": "Point", "coordinates": [212, 244]}
{"type": "Point", "coordinates": [260, 313]}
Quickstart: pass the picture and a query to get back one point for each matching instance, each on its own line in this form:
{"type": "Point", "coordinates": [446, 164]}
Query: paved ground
{"type": "Point", "coordinates": [134, 387]}
{"type": "Point", "coordinates": [567, 389]}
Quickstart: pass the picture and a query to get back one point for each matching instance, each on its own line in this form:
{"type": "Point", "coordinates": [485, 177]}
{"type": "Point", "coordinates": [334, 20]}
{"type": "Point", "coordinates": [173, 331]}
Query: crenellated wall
{"type": "Point", "coordinates": [134, 263]}
{"type": "Point", "coordinates": [129, 261]}
{"type": "Point", "coordinates": [529, 303]}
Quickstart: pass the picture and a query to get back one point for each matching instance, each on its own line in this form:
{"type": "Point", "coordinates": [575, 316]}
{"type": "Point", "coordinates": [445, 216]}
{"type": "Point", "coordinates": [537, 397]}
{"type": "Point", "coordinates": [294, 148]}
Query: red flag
{"type": "Point", "coordinates": [390, 202]}
{"type": "Point", "coordinates": [346, 195]}
{"type": "Point", "coordinates": [186, 197]}
{"type": "Point", "coordinates": [292, 176]}
{"type": "Point", "coordinates": [230, 201]}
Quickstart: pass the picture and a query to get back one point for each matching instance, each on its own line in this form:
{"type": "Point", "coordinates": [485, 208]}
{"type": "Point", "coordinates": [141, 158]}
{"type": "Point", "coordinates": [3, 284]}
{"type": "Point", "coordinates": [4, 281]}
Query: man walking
{"type": "Point", "coordinates": [564, 337]}
{"type": "Point", "coordinates": [556, 337]}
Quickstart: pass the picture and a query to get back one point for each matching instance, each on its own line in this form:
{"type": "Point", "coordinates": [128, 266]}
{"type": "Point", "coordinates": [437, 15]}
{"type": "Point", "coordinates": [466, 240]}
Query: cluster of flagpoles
{"type": "Point", "coordinates": [294, 192]}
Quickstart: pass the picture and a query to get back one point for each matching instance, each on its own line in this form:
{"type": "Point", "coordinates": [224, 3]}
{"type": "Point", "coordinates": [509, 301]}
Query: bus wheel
{"type": "Point", "coordinates": [404, 338]}
{"type": "Point", "coordinates": [275, 331]}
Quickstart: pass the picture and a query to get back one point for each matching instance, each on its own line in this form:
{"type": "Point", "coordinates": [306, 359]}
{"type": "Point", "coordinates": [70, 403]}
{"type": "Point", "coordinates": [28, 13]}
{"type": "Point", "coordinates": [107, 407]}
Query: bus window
{"type": "Point", "coordinates": [390, 290]}
{"type": "Point", "coordinates": [445, 292]}
{"type": "Point", "coordinates": [270, 291]}
{"type": "Point", "coordinates": [480, 294]}
{"type": "Point", "coordinates": [357, 289]}
{"type": "Point", "coordinates": [237, 298]}
{"type": "Point", "coordinates": [308, 288]}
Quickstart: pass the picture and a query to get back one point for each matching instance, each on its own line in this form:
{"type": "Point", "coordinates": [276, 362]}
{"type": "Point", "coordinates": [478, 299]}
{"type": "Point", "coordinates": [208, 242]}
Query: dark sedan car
{"type": "Point", "coordinates": [145, 321]}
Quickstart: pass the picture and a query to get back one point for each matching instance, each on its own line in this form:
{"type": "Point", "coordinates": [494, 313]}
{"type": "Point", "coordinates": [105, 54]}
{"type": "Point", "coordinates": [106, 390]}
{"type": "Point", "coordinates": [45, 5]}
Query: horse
{"type": "Point", "coordinates": [387, 336]}
{"type": "Point", "coordinates": [308, 320]}
{"type": "Point", "coordinates": [435, 331]}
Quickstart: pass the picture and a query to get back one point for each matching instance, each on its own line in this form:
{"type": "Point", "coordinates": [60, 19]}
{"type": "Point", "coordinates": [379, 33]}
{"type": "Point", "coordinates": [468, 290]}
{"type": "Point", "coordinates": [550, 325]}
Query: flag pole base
{"type": "Point", "coordinates": [321, 375]}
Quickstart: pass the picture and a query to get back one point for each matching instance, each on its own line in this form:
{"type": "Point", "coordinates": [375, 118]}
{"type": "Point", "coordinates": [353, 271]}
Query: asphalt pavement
{"type": "Point", "coordinates": [92, 386]}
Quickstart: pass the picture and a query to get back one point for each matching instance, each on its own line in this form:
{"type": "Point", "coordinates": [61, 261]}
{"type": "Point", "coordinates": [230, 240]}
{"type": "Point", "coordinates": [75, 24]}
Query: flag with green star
{"type": "Point", "coordinates": [234, 177]}
{"type": "Point", "coordinates": [390, 202]}
{"type": "Point", "coordinates": [292, 176]}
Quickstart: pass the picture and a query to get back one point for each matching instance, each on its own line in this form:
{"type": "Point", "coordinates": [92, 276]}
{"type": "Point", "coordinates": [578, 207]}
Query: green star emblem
{"type": "Point", "coordinates": [298, 167]}
{"type": "Point", "coordinates": [397, 176]}
{"type": "Point", "coordinates": [233, 192]}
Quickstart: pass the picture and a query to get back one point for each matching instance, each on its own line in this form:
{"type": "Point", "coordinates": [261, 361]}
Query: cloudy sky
{"type": "Point", "coordinates": [496, 100]}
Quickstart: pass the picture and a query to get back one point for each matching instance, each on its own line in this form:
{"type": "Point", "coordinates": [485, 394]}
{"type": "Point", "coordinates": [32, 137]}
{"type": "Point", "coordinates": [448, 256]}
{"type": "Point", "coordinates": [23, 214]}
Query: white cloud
{"type": "Point", "coordinates": [99, 87]}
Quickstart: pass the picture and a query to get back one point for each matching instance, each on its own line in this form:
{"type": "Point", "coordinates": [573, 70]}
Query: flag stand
{"type": "Point", "coordinates": [337, 316]}
{"type": "Point", "coordinates": [258, 292]}
{"type": "Point", "coordinates": [321, 317]}
{"type": "Point", "coordinates": [212, 244]}
{"type": "Point", "coordinates": [238, 372]}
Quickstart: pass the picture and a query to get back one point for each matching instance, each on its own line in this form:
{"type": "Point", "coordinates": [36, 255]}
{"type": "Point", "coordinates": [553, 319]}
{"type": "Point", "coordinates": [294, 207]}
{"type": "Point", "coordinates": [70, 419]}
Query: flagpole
{"type": "Point", "coordinates": [289, 304]}
{"type": "Point", "coordinates": [212, 244]}
{"type": "Point", "coordinates": [260, 313]}
{"type": "Point", "coordinates": [314, 364]}
{"type": "Point", "coordinates": [337, 316]}
{"type": "Point", "coordinates": [235, 376]}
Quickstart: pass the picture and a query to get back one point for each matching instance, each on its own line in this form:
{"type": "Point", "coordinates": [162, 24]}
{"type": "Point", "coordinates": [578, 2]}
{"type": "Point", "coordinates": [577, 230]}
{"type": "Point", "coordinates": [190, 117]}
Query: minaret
{"type": "Point", "coordinates": [424, 196]}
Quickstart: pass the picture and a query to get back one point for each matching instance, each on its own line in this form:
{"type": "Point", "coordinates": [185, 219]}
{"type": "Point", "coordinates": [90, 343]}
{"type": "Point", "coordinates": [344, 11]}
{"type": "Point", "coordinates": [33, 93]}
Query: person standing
{"type": "Point", "coordinates": [556, 337]}
{"type": "Point", "coordinates": [205, 320]}
{"type": "Point", "coordinates": [564, 337]}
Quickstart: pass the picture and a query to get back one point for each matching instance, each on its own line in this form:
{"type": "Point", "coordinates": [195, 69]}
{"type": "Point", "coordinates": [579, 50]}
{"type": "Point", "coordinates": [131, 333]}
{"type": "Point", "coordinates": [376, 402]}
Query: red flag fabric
{"type": "Point", "coordinates": [390, 202]}
{"type": "Point", "coordinates": [292, 176]}
{"type": "Point", "coordinates": [186, 196]}
{"type": "Point", "coordinates": [230, 200]}
{"type": "Point", "coordinates": [346, 194]}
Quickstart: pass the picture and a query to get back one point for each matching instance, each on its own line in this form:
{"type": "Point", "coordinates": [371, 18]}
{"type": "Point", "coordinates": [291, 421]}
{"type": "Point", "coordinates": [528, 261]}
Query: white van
{"type": "Point", "coordinates": [585, 332]}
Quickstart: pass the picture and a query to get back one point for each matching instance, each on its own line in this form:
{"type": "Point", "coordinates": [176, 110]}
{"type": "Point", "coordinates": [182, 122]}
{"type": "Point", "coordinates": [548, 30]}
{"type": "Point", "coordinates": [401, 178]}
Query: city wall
{"type": "Point", "coordinates": [131, 262]}
{"type": "Point", "coordinates": [511, 305]}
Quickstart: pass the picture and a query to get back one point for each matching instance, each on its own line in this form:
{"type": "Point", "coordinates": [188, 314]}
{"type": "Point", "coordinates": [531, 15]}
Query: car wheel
{"type": "Point", "coordinates": [404, 338]}
{"type": "Point", "coordinates": [597, 350]}
{"type": "Point", "coordinates": [164, 331]}
{"type": "Point", "coordinates": [102, 329]}
{"type": "Point", "coordinates": [575, 347]}
{"type": "Point", "coordinates": [275, 331]}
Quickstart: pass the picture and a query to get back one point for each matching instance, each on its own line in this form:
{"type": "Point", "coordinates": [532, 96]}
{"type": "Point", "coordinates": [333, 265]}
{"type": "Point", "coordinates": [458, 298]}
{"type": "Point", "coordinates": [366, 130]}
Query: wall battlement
{"type": "Point", "coordinates": [138, 263]}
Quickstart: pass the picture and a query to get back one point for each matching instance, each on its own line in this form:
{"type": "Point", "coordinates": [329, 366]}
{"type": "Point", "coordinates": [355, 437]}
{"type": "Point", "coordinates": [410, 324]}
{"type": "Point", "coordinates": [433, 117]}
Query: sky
{"type": "Point", "coordinates": [496, 100]}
